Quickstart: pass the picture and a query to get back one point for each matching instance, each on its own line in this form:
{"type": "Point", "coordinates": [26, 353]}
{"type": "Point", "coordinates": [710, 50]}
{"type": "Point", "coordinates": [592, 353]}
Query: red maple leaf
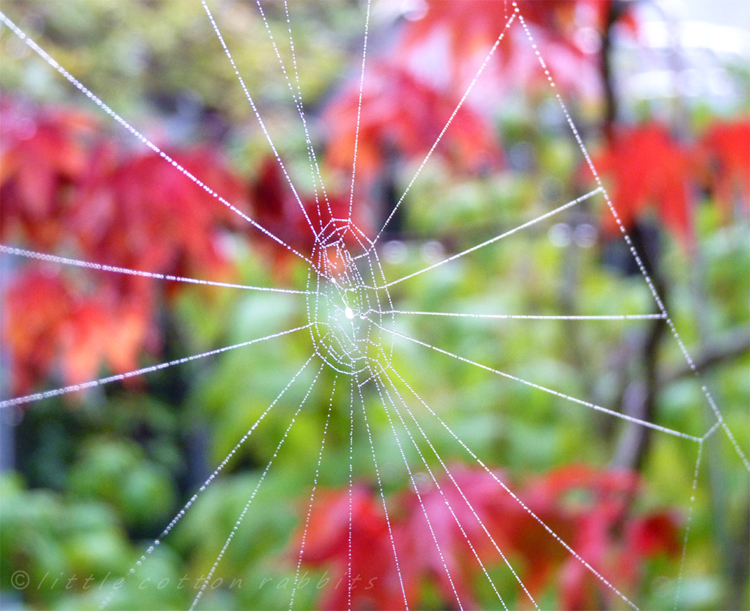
{"type": "Point", "coordinates": [724, 150]}
{"type": "Point", "coordinates": [606, 536]}
{"type": "Point", "coordinates": [649, 171]}
{"type": "Point", "coordinates": [403, 115]}
{"type": "Point", "coordinates": [51, 325]}
{"type": "Point", "coordinates": [143, 214]}
{"type": "Point", "coordinates": [567, 31]}
{"type": "Point", "coordinates": [375, 581]}
{"type": "Point", "coordinates": [108, 328]}
{"type": "Point", "coordinates": [63, 189]}
{"type": "Point", "coordinates": [486, 18]}
{"type": "Point", "coordinates": [587, 508]}
{"type": "Point", "coordinates": [44, 156]}
{"type": "Point", "coordinates": [35, 308]}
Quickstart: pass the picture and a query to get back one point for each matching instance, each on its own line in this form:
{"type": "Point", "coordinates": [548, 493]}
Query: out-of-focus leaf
{"type": "Point", "coordinates": [403, 115]}
{"type": "Point", "coordinates": [44, 156]}
{"type": "Point", "coordinates": [587, 508]}
{"type": "Point", "coordinates": [649, 172]}
{"type": "Point", "coordinates": [725, 152]}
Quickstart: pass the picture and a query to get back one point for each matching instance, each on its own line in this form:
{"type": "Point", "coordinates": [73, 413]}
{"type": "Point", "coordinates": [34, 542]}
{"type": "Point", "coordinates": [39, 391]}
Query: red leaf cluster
{"type": "Point", "coordinates": [404, 115]}
{"type": "Point", "coordinates": [589, 509]}
{"type": "Point", "coordinates": [651, 172]}
{"type": "Point", "coordinates": [65, 190]}
{"type": "Point", "coordinates": [569, 32]}
{"type": "Point", "coordinates": [143, 214]}
{"type": "Point", "coordinates": [725, 151]}
{"type": "Point", "coordinates": [477, 23]}
{"type": "Point", "coordinates": [648, 169]}
{"type": "Point", "coordinates": [43, 160]}
{"type": "Point", "coordinates": [409, 96]}
{"type": "Point", "coordinates": [296, 222]}
{"type": "Point", "coordinates": [49, 325]}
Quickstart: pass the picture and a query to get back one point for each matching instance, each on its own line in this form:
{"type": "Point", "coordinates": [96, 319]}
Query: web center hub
{"type": "Point", "coordinates": [348, 305]}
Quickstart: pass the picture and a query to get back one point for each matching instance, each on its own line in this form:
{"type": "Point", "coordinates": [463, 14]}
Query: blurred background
{"type": "Point", "coordinates": [660, 94]}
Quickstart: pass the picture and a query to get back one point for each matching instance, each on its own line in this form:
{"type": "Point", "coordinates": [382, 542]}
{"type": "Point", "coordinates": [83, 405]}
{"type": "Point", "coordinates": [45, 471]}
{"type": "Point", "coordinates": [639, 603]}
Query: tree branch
{"type": "Point", "coordinates": [732, 345]}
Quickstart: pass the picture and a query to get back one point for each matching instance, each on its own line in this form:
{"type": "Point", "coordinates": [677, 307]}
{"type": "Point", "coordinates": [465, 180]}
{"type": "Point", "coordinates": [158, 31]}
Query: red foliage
{"type": "Point", "coordinates": [408, 100]}
{"type": "Point", "coordinates": [480, 22]}
{"type": "Point", "coordinates": [62, 189]}
{"type": "Point", "coordinates": [402, 114]}
{"type": "Point", "coordinates": [648, 171]}
{"type": "Point", "coordinates": [275, 207]}
{"type": "Point", "coordinates": [377, 582]}
{"type": "Point", "coordinates": [605, 535]}
{"type": "Point", "coordinates": [143, 214]}
{"type": "Point", "coordinates": [42, 160]}
{"type": "Point", "coordinates": [568, 31]}
{"type": "Point", "coordinates": [41, 302]}
{"type": "Point", "coordinates": [50, 325]}
{"type": "Point", "coordinates": [725, 151]}
{"type": "Point", "coordinates": [589, 509]}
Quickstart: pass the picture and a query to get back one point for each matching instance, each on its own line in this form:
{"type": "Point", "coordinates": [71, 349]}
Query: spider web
{"type": "Point", "coordinates": [357, 330]}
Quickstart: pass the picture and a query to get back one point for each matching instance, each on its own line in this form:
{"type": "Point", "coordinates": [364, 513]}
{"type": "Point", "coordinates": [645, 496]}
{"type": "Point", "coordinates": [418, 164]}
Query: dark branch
{"type": "Point", "coordinates": [734, 344]}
